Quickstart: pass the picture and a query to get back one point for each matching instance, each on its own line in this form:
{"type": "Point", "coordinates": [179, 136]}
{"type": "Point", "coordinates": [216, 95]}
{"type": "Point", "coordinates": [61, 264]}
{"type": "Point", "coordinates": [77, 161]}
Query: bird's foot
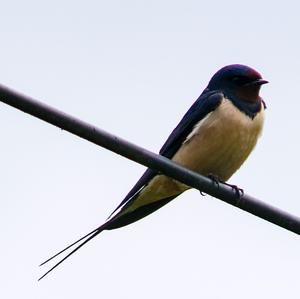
{"type": "Point", "coordinates": [215, 179]}
{"type": "Point", "coordinates": [239, 191]}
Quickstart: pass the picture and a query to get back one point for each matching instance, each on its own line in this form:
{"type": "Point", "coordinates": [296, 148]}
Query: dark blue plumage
{"type": "Point", "coordinates": [223, 83]}
{"type": "Point", "coordinates": [238, 84]}
{"type": "Point", "coordinates": [232, 78]}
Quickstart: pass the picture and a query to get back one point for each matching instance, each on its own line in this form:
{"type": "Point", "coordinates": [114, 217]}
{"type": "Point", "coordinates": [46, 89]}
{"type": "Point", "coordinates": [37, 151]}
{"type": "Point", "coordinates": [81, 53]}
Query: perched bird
{"type": "Point", "coordinates": [214, 137]}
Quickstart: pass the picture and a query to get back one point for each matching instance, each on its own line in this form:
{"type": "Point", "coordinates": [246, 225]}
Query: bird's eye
{"type": "Point", "coordinates": [239, 80]}
{"type": "Point", "coordinates": [236, 79]}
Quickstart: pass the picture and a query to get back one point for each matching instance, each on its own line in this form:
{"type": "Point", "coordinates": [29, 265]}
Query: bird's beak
{"type": "Point", "coordinates": [257, 82]}
{"type": "Point", "coordinates": [261, 82]}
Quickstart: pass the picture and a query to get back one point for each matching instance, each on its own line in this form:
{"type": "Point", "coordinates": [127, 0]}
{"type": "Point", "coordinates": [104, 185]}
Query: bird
{"type": "Point", "coordinates": [214, 138]}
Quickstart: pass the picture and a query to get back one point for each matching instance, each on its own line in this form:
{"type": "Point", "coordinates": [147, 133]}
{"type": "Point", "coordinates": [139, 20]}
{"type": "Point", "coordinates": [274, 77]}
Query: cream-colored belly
{"type": "Point", "coordinates": [218, 145]}
{"type": "Point", "coordinates": [221, 142]}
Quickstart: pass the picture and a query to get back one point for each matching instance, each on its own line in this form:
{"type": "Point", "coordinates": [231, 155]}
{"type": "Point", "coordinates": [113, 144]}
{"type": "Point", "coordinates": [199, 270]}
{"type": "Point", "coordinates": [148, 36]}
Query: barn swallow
{"type": "Point", "coordinates": [214, 137]}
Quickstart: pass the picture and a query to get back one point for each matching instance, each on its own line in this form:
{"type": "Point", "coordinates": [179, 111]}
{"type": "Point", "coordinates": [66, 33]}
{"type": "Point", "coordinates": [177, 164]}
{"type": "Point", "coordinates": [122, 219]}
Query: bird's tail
{"type": "Point", "coordinates": [86, 239]}
{"type": "Point", "coordinates": [119, 220]}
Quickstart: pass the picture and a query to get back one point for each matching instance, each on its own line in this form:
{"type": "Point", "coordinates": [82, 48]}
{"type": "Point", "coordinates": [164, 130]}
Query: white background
{"type": "Point", "coordinates": [133, 68]}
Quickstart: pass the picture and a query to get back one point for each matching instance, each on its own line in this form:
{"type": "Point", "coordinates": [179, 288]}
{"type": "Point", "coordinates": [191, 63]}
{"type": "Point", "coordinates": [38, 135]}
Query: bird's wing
{"type": "Point", "coordinates": [206, 103]}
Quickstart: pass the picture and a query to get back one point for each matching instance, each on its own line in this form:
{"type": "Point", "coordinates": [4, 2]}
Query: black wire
{"type": "Point", "coordinates": [149, 159]}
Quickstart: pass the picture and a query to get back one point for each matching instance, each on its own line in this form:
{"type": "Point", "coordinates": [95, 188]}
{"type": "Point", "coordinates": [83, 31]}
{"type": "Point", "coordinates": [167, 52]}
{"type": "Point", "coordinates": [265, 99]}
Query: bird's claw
{"type": "Point", "coordinates": [202, 193]}
{"type": "Point", "coordinates": [238, 191]}
{"type": "Point", "coordinates": [214, 179]}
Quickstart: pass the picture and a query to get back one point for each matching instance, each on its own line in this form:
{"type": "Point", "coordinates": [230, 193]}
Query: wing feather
{"type": "Point", "coordinates": [206, 103]}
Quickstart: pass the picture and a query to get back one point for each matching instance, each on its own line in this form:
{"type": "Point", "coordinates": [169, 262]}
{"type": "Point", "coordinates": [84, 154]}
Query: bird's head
{"type": "Point", "coordinates": [239, 81]}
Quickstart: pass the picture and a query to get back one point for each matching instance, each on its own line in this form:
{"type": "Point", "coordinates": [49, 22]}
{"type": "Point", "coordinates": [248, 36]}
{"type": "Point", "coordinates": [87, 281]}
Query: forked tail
{"type": "Point", "coordinates": [88, 237]}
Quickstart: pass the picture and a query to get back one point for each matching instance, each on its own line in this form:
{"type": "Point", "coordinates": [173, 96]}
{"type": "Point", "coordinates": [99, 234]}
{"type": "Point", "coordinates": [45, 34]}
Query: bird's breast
{"type": "Point", "coordinates": [221, 142]}
{"type": "Point", "coordinates": [218, 145]}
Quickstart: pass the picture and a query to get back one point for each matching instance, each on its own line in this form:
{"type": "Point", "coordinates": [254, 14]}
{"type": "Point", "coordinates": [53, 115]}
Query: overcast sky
{"type": "Point", "coordinates": [133, 68]}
